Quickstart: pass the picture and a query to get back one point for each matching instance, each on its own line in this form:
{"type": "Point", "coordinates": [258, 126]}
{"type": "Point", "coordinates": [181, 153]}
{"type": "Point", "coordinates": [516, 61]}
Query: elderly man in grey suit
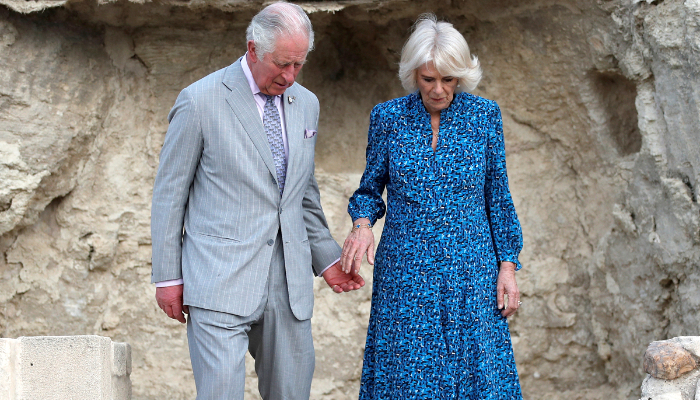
{"type": "Point", "coordinates": [237, 225]}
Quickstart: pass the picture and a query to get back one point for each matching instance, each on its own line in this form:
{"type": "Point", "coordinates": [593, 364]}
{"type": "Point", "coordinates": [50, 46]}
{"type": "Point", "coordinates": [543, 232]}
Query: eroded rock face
{"type": "Point", "coordinates": [601, 121]}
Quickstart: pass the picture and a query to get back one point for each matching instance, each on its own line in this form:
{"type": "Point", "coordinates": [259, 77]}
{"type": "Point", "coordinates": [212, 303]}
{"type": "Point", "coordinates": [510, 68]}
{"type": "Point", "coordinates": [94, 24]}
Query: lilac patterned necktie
{"type": "Point", "coordinates": [273, 129]}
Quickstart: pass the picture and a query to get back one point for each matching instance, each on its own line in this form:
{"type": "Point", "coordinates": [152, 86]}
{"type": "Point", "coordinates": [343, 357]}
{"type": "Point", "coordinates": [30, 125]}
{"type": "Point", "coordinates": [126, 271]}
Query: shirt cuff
{"type": "Point", "coordinates": [332, 264]}
{"type": "Point", "coordinates": [172, 282]}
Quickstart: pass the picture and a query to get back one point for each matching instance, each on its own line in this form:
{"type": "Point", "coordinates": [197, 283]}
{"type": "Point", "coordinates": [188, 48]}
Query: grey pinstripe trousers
{"type": "Point", "coordinates": [281, 345]}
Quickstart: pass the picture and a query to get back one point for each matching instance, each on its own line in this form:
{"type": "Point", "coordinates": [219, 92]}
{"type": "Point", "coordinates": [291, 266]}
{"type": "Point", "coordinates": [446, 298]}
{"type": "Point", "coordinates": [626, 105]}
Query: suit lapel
{"type": "Point", "coordinates": [293, 118]}
{"type": "Point", "coordinates": [241, 101]}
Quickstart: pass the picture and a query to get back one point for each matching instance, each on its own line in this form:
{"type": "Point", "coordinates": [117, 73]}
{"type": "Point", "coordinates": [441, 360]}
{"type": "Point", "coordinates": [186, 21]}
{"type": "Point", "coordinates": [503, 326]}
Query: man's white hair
{"type": "Point", "coordinates": [277, 20]}
{"type": "Point", "coordinates": [442, 44]}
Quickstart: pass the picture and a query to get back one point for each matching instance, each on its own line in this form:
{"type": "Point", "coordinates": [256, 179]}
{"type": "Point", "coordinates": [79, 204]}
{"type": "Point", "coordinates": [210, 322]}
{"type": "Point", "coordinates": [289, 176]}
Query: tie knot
{"type": "Point", "coordinates": [268, 98]}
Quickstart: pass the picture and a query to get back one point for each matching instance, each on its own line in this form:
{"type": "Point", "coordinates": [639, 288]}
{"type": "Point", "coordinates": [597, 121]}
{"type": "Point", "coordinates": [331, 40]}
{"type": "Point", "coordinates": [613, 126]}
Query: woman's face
{"type": "Point", "coordinates": [437, 91]}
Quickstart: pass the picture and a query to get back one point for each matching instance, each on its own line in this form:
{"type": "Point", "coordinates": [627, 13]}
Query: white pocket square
{"type": "Point", "coordinates": [309, 133]}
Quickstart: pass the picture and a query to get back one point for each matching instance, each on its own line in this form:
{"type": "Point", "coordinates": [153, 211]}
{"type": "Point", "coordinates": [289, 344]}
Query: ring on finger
{"type": "Point", "coordinates": [520, 303]}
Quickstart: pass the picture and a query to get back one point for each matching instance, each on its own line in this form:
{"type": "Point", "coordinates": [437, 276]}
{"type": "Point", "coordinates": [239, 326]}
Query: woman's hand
{"type": "Point", "coordinates": [506, 285]}
{"type": "Point", "coordinates": [358, 242]}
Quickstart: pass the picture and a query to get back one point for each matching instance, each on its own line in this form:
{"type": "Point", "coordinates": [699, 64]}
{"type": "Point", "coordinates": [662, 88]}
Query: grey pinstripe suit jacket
{"type": "Point", "coordinates": [217, 180]}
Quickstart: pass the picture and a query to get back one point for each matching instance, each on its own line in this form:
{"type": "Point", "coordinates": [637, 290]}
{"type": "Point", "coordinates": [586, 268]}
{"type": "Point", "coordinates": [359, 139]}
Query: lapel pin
{"type": "Point", "coordinates": [291, 99]}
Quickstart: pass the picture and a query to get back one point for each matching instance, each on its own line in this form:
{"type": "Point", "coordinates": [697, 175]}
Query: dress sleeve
{"type": "Point", "coordinates": [367, 200]}
{"type": "Point", "coordinates": [505, 227]}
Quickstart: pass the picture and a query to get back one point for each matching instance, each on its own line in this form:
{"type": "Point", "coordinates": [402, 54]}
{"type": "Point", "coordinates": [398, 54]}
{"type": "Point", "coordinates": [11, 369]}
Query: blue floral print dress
{"type": "Point", "coordinates": [435, 331]}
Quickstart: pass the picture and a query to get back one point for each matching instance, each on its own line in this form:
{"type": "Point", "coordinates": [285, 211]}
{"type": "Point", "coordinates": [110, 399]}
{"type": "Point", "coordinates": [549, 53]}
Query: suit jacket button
{"type": "Point", "coordinates": [270, 242]}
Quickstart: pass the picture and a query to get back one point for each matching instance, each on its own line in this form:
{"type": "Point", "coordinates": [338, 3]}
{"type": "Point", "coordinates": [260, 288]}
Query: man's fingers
{"type": "Point", "coordinates": [175, 312]}
{"type": "Point", "coordinates": [181, 318]}
{"type": "Point", "coordinates": [186, 309]}
{"type": "Point", "coordinates": [356, 283]}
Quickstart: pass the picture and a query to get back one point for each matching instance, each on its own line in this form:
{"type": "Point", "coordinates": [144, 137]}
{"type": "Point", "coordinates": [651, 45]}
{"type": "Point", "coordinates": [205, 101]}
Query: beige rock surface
{"type": "Point", "coordinates": [600, 107]}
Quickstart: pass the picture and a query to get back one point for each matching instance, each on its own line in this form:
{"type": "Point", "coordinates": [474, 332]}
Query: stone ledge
{"type": "Point", "coordinates": [64, 367]}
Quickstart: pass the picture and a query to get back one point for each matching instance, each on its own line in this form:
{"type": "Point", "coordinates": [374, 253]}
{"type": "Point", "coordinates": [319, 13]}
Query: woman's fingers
{"type": "Point", "coordinates": [515, 295]}
{"type": "Point", "coordinates": [511, 289]}
{"type": "Point", "coordinates": [357, 261]}
{"type": "Point", "coordinates": [356, 252]}
{"type": "Point", "coordinates": [507, 286]}
{"type": "Point", "coordinates": [366, 247]}
{"type": "Point", "coordinates": [345, 258]}
{"type": "Point", "coordinates": [347, 255]}
{"type": "Point", "coordinates": [499, 295]}
{"type": "Point", "coordinates": [356, 245]}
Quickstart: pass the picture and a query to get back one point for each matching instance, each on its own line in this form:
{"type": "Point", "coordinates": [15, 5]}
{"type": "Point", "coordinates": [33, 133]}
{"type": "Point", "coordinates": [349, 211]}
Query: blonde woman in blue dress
{"type": "Point", "coordinates": [449, 251]}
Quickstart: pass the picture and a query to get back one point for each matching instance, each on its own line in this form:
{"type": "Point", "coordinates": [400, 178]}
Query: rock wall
{"type": "Point", "coordinates": [600, 106]}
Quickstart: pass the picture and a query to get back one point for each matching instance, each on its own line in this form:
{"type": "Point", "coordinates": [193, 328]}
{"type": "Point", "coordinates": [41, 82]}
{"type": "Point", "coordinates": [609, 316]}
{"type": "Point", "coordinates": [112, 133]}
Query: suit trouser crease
{"type": "Point", "coordinates": [281, 345]}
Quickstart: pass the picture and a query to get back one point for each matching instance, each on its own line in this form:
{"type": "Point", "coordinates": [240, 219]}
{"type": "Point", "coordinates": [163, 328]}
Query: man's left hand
{"type": "Point", "coordinates": [341, 282]}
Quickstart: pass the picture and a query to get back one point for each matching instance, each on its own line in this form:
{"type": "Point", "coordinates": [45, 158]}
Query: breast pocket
{"type": "Point", "coordinates": [309, 142]}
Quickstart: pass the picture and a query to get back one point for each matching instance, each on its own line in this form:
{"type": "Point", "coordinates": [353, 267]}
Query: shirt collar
{"type": "Point", "coordinates": [249, 76]}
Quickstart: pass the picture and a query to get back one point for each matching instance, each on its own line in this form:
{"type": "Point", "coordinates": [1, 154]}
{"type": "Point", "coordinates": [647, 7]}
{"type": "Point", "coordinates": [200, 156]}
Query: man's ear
{"type": "Point", "coordinates": [252, 51]}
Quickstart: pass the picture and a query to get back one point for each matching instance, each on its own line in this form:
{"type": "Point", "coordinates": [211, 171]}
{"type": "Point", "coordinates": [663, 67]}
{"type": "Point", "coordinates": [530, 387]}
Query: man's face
{"type": "Point", "coordinates": [277, 70]}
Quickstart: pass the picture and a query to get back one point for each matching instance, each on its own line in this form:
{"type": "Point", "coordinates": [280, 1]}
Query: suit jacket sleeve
{"type": "Point", "coordinates": [179, 158]}
{"type": "Point", "coordinates": [324, 249]}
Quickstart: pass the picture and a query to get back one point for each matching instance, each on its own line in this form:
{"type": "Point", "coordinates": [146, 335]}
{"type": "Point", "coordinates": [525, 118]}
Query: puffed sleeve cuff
{"type": "Point", "coordinates": [354, 214]}
{"type": "Point", "coordinates": [514, 260]}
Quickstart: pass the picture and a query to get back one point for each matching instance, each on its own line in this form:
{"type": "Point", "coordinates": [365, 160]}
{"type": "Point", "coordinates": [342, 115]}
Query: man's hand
{"type": "Point", "coordinates": [169, 299]}
{"type": "Point", "coordinates": [506, 285]}
{"type": "Point", "coordinates": [341, 282]}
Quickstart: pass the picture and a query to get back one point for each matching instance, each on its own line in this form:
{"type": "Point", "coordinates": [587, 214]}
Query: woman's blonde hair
{"type": "Point", "coordinates": [442, 44]}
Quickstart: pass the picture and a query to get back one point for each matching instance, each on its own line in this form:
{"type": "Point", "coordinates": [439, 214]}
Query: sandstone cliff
{"type": "Point", "coordinates": [600, 105]}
